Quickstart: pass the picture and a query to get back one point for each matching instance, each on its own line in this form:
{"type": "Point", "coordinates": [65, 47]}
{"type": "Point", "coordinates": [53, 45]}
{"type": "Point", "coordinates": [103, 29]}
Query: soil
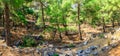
{"type": "Point", "coordinates": [88, 31]}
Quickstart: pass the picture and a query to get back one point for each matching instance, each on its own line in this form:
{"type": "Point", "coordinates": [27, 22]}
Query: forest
{"type": "Point", "coordinates": [59, 27]}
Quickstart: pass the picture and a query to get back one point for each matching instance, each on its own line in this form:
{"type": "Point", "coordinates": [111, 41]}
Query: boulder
{"type": "Point", "coordinates": [95, 53]}
{"type": "Point", "coordinates": [105, 48]}
{"type": "Point", "coordinates": [51, 53]}
{"type": "Point", "coordinates": [93, 47]}
{"type": "Point", "coordinates": [114, 45]}
{"type": "Point", "coordinates": [70, 53]}
{"type": "Point", "coordinates": [37, 50]}
{"type": "Point", "coordinates": [80, 52]}
{"type": "Point", "coordinates": [85, 43]}
{"type": "Point", "coordinates": [88, 51]}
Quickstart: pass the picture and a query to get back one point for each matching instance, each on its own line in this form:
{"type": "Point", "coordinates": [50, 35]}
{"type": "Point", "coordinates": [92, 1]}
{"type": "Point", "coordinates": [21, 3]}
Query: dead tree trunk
{"type": "Point", "coordinates": [7, 22]}
{"type": "Point", "coordinates": [79, 28]}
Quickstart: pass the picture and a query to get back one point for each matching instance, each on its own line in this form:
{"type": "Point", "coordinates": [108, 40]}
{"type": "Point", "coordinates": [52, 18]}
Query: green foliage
{"type": "Point", "coordinates": [71, 45]}
{"type": "Point", "coordinates": [55, 54]}
{"type": "Point", "coordinates": [20, 17]}
{"type": "Point", "coordinates": [28, 42]}
{"type": "Point", "coordinates": [30, 11]}
{"type": "Point", "coordinates": [28, 0]}
{"type": "Point", "coordinates": [59, 12]}
{"type": "Point", "coordinates": [27, 10]}
{"type": "Point", "coordinates": [16, 3]}
{"type": "Point", "coordinates": [5, 1]}
{"type": "Point", "coordinates": [49, 29]}
{"type": "Point", "coordinates": [1, 11]}
{"type": "Point", "coordinates": [101, 35]}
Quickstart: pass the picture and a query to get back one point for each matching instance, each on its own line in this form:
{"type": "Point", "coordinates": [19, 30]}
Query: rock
{"type": "Point", "coordinates": [69, 49]}
{"type": "Point", "coordinates": [114, 45]}
{"type": "Point", "coordinates": [66, 55]}
{"type": "Point", "coordinates": [31, 50]}
{"type": "Point", "coordinates": [26, 51]}
{"type": "Point", "coordinates": [50, 53]}
{"type": "Point", "coordinates": [105, 48]}
{"type": "Point", "coordinates": [44, 53]}
{"type": "Point", "coordinates": [50, 45]}
{"type": "Point", "coordinates": [93, 47]}
{"type": "Point", "coordinates": [65, 49]}
{"type": "Point", "coordinates": [37, 51]}
{"type": "Point", "coordinates": [83, 55]}
{"type": "Point", "coordinates": [37, 37]}
{"type": "Point", "coordinates": [70, 53]}
{"type": "Point", "coordinates": [85, 43]}
{"type": "Point", "coordinates": [17, 43]}
{"type": "Point", "coordinates": [62, 54]}
{"type": "Point", "coordinates": [88, 51]}
{"type": "Point", "coordinates": [4, 45]}
{"type": "Point", "coordinates": [93, 35]}
{"type": "Point", "coordinates": [95, 53]}
{"type": "Point", "coordinates": [80, 51]}
{"type": "Point", "coordinates": [66, 46]}
{"type": "Point", "coordinates": [19, 51]}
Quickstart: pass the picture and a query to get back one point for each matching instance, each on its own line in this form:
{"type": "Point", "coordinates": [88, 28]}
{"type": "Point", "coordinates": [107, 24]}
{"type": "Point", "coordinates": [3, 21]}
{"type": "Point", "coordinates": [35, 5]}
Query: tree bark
{"type": "Point", "coordinates": [79, 28]}
{"type": "Point", "coordinates": [58, 28]}
{"type": "Point", "coordinates": [7, 24]}
{"type": "Point", "coordinates": [113, 20]}
{"type": "Point", "coordinates": [103, 25]}
{"type": "Point", "coordinates": [3, 19]}
{"type": "Point", "coordinates": [43, 15]}
{"type": "Point", "coordinates": [118, 22]}
{"type": "Point", "coordinates": [65, 25]}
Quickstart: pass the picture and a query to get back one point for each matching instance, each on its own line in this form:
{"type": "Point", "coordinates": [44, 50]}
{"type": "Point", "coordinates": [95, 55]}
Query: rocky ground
{"type": "Point", "coordinates": [93, 45]}
{"type": "Point", "coordinates": [65, 50]}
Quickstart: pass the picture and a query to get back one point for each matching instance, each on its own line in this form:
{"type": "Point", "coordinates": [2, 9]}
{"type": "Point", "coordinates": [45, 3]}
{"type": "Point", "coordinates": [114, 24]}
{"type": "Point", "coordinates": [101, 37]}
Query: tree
{"type": "Point", "coordinates": [80, 33]}
{"type": "Point", "coordinates": [7, 21]}
{"type": "Point", "coordinates": [8, 4]}
{"type": "Point", "coordinates": [42, 8]}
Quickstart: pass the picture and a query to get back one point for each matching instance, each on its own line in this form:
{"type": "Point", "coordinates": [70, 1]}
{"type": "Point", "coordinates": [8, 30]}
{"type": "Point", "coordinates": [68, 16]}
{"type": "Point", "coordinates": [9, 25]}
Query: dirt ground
{"type": "Point", "coordinates": [7, 51]}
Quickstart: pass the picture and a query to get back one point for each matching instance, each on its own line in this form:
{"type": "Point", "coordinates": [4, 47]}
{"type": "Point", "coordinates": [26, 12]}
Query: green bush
{"type": "Point", "coordinates": [28, 42]}
{"type": "Point", "coordinates": [71, 45]}
{"type": "Point", "coordinates": [55, 54]}
{"type": "Point", "coordinates": [101, 35]}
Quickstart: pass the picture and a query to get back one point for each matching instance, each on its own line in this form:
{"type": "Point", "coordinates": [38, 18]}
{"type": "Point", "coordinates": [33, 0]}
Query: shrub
{"type": "Point", "coordinates": [101, 35]}
{"type": "Point", "coordinates": [55, 54]}
{"type": "Point", "coordinates": [71, 45]}
{"type": "Point", "coordinates": [28, 42]}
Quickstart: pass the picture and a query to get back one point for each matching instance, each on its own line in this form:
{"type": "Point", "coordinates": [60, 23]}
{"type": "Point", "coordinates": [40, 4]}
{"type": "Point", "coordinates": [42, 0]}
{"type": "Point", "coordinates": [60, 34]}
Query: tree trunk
{"type": "Point", "coordinates": [113, 20]}
{"type": "Point", "coordinates": [65, 25]}
{"type": "Point", "coordinates": [58, 28]}
{"type": "Point", "coordinates": [54, 33]}
{"type": "Point", "coordinates": [118, 22]}
{"type": "Point", "coordinates": [7, 26]}
{"type": "Point", "coordinates": [43, 15]}
{"type": "Point", "coordinates": [103, 25]}
{"type": "Point", "coordinates": [3, 19]}
{"type": "Point", "coordinates": [79, 28]}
